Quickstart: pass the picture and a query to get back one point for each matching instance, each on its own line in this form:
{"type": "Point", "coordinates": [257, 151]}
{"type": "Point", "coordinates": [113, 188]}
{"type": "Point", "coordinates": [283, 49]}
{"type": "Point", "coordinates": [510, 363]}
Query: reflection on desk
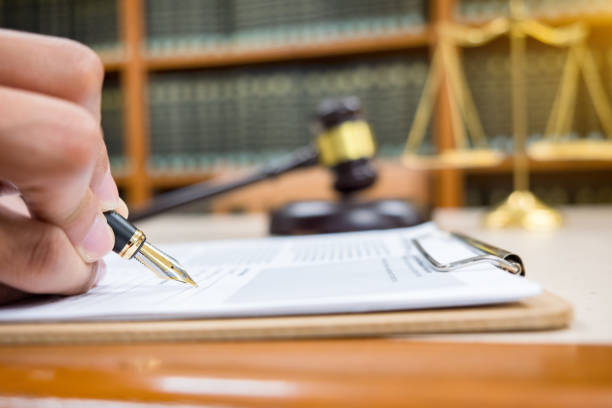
{"type": "Point", "coordinates": [351, 373]}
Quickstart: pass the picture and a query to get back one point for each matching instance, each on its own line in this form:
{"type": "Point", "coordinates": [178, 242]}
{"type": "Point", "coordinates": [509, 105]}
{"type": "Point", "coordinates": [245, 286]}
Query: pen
{"type": "Point", "coordinates": [130, 242]}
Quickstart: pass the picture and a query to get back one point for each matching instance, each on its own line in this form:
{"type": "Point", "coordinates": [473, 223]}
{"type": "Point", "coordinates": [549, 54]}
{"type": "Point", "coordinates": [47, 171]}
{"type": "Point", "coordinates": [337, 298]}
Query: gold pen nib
{"type": "Point", "coordinates": [162, 264]}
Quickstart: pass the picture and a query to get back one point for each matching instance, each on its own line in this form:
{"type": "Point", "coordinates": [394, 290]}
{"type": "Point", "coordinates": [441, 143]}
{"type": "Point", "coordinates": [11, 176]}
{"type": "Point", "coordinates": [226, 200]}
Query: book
{"type": "Point", "coordinates": [112, 122]}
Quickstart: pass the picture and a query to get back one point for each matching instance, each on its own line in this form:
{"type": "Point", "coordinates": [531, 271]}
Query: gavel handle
{"type": "Point", "coordinates": [301, 158]}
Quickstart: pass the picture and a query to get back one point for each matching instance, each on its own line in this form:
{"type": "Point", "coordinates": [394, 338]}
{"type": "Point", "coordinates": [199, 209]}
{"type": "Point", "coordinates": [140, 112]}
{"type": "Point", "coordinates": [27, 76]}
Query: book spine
{"type": "Point", "coordinates": [112, 123]}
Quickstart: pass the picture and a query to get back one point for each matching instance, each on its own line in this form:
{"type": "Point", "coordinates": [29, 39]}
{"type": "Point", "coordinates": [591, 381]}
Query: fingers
{"type": "Point", "coordinates": [49, 149]}
{"type": "Point", "coordinates": [37, 257]}
{"type": "Point", "coordinates": [64, 69]}
{"type": "Point", "coordinates": [53, 66]}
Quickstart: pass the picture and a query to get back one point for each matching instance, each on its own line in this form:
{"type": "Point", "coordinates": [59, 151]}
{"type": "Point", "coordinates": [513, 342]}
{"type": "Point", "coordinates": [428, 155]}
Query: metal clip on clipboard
{"type": "Point", "coordinates": [490, 254]}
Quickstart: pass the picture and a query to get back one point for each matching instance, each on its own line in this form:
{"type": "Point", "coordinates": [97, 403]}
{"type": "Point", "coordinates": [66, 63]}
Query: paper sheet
{"type": "Point", "coordinates": [335, 273]}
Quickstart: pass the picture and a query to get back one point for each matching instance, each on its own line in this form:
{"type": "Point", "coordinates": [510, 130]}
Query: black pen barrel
{"type": "Point", "coordinates": [123, 229]}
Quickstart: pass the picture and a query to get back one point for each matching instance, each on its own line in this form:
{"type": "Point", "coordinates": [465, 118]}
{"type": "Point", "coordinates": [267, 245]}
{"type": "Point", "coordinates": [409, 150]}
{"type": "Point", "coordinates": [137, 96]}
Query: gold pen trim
{"type": "Point", "coordinates": [135, 242]}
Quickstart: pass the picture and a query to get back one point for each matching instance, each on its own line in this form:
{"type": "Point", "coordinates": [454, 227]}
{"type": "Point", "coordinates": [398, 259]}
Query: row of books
{"type": "Point", "coordinates": [487, 9]}
{"type": "Point", "coordinates": [249, 115]}
{"type": "Point", "coordinates": [92, 22]}
{"type": "Point", "coordinates": [212, 24]}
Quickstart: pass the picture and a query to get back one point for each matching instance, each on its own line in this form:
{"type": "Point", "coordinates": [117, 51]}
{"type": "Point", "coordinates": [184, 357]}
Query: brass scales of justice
{"type": "Point", "coordinates": [522, 208]}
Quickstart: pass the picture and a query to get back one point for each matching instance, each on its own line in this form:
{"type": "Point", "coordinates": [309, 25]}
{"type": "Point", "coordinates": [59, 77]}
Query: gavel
{"type": "Point", "coordinates": [344, 144]}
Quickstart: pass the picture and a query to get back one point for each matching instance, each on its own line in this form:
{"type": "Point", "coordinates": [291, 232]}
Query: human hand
{"type": "Point", "coordinates": [53, 154]}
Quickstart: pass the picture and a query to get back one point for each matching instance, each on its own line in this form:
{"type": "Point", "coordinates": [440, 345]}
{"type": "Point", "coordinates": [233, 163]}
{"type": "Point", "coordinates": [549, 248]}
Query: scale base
{"type": "Point", "coordinates": [321, 217]}
{"type": "Point", "coordinates": [524, 210]}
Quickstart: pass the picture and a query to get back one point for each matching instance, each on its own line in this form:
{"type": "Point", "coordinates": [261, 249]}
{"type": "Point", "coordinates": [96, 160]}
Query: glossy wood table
{"type": "Point", "coordinates": [469, 371]}
{"type": "Point", "coordinates": [357, 373]}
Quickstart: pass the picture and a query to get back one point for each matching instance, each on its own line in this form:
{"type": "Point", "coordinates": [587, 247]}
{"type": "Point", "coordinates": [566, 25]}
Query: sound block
{"type": "Point", "coordinates": [321, 217]}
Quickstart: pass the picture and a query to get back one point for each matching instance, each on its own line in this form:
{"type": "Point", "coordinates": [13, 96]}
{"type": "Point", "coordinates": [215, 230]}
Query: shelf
{"type": "Point", "coordinates": [121, 177]}
{"type": "Point", "coordinates": [112, 60]}
{"type": "Point", "coordinates": [180, 179]}
{"type": "Point", "coordinates": [400, 40]}
{"type": "Point", "coordinates": [537, 166]}
{"type": "Point", "coordinates": [169, 179]}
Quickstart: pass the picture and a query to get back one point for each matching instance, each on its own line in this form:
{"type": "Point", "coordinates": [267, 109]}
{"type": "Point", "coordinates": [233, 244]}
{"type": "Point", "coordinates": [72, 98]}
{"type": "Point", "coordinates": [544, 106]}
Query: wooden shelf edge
{"type": "Point", "coordinates": [400, 40]}
{"type": "Point", "coordinates": [168, 180]}
{"type": "Point", "coordinates": [112, 60]}
{"type": "Point", "coordinates": [536, 166]}
{"type": "Point", "coordinates": [180, 179]}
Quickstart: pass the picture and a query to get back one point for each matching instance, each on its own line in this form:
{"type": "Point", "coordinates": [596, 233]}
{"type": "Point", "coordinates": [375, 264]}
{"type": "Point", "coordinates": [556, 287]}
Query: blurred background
{"type": "Point", "coordinates": [207, 89]}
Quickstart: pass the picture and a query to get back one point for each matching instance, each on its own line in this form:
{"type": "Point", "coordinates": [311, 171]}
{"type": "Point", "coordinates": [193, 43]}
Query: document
{"type": "Point", "coordinates": [322, 274]}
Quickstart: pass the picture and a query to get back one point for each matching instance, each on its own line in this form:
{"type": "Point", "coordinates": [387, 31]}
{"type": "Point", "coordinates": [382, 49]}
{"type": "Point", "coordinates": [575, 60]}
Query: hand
{"type": "Point", "coordinates": [52, 153]}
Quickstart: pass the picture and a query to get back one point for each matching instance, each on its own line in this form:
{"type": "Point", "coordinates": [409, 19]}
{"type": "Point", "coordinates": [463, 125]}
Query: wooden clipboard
{"type": "Point", "coordinates": [543, 312]}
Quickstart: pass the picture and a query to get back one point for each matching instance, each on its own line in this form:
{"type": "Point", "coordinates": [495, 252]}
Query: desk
{"type": "Point", "coordinates": [457, 370]}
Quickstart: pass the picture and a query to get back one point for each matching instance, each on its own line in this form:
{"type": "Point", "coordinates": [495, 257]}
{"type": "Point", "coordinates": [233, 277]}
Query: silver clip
{"type": "Point", "coordinates": [498, 257]}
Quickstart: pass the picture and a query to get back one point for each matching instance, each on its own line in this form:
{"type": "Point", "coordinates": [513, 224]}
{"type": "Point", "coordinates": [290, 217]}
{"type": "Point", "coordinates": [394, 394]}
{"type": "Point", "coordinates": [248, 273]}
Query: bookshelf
{"type": "Point", "coordinates": [416, 38]}
{"type": "Point", "coordinates": [134, 63]}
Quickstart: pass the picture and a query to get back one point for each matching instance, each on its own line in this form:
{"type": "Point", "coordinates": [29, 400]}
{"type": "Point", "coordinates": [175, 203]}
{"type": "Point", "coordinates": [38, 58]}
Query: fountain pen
{"type": "Point", "coordinates": [130, 242]}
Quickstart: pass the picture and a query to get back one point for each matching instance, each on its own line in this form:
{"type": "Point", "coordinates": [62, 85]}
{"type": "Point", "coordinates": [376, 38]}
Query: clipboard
{"type": "Point", "coordinates": [543, 312]}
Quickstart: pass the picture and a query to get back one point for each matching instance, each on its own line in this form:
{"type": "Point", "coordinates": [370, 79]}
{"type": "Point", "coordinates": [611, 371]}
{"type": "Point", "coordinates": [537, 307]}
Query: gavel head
{"type": "Point", "coordinates": [346, 144]}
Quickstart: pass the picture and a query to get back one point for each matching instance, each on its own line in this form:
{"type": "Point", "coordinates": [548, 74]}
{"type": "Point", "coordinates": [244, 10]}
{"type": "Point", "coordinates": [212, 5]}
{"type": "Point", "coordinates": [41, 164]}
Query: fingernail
{"type": "Point", "coordinates": [107, 192]}
{"type": "Point", "coordinates": [100, 273]}
{"type": "Point", "coordinates": [98, 241]}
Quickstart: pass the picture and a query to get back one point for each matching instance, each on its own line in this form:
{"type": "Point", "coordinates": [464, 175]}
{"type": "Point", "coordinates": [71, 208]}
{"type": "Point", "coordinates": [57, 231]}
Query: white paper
{"type": "Point", "coordinates": [335, 273]}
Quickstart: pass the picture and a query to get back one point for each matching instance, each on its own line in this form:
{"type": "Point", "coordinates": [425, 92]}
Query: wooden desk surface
{"type": "Point", "coordinates": [354, 372]}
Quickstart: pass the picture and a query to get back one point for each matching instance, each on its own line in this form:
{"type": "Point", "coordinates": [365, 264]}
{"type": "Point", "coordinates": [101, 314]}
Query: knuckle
{"type": "Point", "coordinates": [78, 148]}
{"type": "Point", "coordinates": [87, 69]}
{"type": "Point", "coordinates": [71, 140]}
